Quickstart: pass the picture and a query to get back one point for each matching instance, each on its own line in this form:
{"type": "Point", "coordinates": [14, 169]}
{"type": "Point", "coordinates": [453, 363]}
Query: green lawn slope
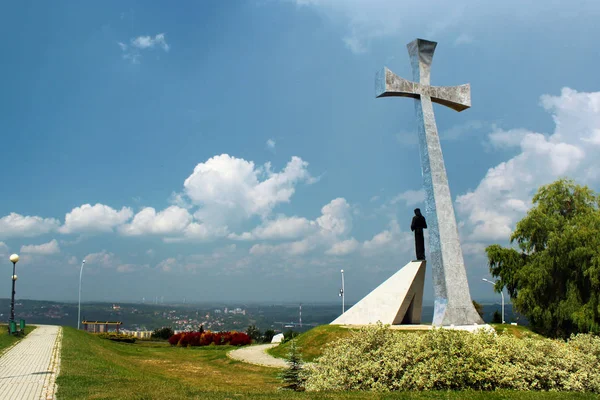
{"type": "Point", "coordinates": [95, 368]}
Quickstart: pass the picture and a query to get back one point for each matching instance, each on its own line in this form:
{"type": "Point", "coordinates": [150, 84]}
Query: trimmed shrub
{"type": "Point", "coordinates": [120, 337]}
{"type": "Point", "coordinates": [185, 339]}
{"type": "Point", "coordinates": [380, 359]}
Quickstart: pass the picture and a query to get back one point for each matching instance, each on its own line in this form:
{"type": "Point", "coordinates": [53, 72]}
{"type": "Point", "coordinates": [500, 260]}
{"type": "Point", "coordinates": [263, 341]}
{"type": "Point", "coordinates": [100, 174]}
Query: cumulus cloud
{"type": "Point", "coordinates": [333, 225]}
{"type": "Point", "coordinates": [280, 228]}
{"type": "Point", "coordinates": [42, 249]}
{"type": "Point", "coordinates": [16, 225]}
{"type": "Point", "coordinates": [172, 220]}
{"type": "Point", "coordinates": [271, 144]}
{"type": "Point", "coordinates": [504, 195]}
{"type": "Point", "coordinates": [343, 248]}
{"type": "Point", "coordinates": [229, 188]}
{"type": "Point", "coordinates": [97, 218]}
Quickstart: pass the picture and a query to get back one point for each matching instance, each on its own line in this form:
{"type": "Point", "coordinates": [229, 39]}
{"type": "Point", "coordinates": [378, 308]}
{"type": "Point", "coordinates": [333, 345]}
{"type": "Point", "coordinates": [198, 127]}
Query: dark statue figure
{"type": "Point", "coordinates": [417, 226]}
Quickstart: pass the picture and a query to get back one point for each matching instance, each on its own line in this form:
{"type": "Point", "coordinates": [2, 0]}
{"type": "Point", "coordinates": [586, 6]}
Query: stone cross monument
{"type": "Point", "coordinates": [453, 305]}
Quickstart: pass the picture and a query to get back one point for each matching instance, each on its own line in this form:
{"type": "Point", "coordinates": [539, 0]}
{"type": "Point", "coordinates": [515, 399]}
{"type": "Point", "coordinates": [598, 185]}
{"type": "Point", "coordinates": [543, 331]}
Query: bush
{"type": "Point", "coordinates": [117, 337]}
{"type": "Point", "coordinates": [377, 358]}
{"type": "Point", "coordinates": [268, 336]}
{"type": "Point", "coordinates": [163, 333]}
{"type": "Point", "coordinates": [192, 339]}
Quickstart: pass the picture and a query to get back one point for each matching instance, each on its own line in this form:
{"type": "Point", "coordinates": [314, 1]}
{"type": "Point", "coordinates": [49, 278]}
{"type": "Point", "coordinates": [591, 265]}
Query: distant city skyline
{"type": "Point", "coordinates": [235, 150]}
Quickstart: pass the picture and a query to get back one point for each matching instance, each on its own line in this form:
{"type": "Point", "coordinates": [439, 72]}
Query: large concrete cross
{"type": "Point", "coordinates": [453, 305]}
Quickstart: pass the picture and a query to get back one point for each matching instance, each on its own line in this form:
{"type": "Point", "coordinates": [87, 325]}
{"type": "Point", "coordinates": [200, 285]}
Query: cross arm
{"type": "Point", "coordinates": [388, 84]}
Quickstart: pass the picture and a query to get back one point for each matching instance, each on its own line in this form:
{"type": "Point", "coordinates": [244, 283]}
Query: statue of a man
{"type": "Point", "coordinates": [417, 226]}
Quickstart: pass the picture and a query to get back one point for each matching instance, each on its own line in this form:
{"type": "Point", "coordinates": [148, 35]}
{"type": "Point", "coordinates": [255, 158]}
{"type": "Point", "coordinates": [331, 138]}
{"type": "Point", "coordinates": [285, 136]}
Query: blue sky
{"type": "Point", "coordinates": [235, 150]}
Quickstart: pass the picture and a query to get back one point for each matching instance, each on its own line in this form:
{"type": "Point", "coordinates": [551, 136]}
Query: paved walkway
{"type": "Point", "coordinates": [28, 370]}
{"type": "Point", "coordinates": [257, 355]}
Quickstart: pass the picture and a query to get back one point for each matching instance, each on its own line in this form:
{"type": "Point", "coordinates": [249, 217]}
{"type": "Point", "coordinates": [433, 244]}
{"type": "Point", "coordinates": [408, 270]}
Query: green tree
{"type": "Point", "coordinates": [478, 308]}
{"type": "Point", "coordinates": [254, 333]}
{"type": "Point", "coordinates": [292, 376]}
{"type": "Point", "coordinates": [268, 336]}
{"type": "Point", "coordinates": [163, 333]}
{"type": "Point", "coordinates": [497, 318]}
{"type": "Point", "coordinates": [553, 277]}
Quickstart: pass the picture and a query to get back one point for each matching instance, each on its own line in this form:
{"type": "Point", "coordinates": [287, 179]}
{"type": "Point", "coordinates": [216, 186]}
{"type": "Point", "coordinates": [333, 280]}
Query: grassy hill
{"type": "Point", "coordinates": [95, 368]}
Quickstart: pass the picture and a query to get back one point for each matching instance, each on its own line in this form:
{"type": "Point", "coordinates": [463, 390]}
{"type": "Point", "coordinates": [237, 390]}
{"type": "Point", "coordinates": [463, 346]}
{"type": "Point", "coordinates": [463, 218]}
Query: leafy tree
{"type": "Point", "coordinates": [478, 308]}
{"type": "Point", "coordinates": [497, 318]}
{"type": "Point", "coordinates": [163, 333]}
{"type": "Point", "coordinates": [268, 336]}
{"type": "Point", "coordinates": [254, 333]}
{"type": "Point", "coordinates": [289, 335]}
{"type": "Point", "coordinates": [291, 376]}
{"type": "Point", "coordinates": [553, 277]}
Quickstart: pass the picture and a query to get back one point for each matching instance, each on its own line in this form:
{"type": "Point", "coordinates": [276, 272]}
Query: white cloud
{"type": "Point", "coordinates": [3, 250]}
{"type": "Point", "coordinates": [410, 197]}
{"type": "Point", "coordinates": [334, 224]}
{"type": "Point", "coordinates": [101, 259]}
{"type": "Point", "coordinates": [296, 248]}
{"type": "Point", "coordinates": [336, 217]}
{"type": "Point", "coordinates": [97, 218]}
{"type": "Point", "coordinates": [504, 195]}
{"type": "Point", "coordinates": [145, 42]}
{"type": "Point", "coordinates": [280, 228]}
{"type": "Point", "coordinates": [363, 22]}
{"type": "Point", "coordinates": [229, 188]}
{"type": "Point", "coordinates": [167, 265]}
{"type": "Point", "coordinates": [16, 225]}
{"type": "Point", "coordinates": [172, 220]}
{"type": "Point", "coordinates": [271, 144]}
{"type": "Point", "coordinates": [343, 248]}
{"type": "Point", "coordinates": [132, 51]}
{"type": "Point", "coordinates": [463, 38]}
{"type": "Point", "coordinates": [104, 259]}
{"type": "Point", "coordinates": [43, 249]}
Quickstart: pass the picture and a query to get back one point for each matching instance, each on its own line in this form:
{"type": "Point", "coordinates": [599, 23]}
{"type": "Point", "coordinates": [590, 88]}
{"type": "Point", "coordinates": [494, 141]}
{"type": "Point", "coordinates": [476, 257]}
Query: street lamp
{"type": "Point", "coordinates": [79, 307]}
{"type": "Point", "coordinates": [14, 259]}
{"type": "Point", "coordinates": [342, 293]}
{"type": "Point", "coordinates": [494, 283]}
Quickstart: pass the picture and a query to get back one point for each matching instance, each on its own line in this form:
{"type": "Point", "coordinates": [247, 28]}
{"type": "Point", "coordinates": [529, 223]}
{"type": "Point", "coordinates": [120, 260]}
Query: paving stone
{"type": "Point", "coordinates": [28, 370]}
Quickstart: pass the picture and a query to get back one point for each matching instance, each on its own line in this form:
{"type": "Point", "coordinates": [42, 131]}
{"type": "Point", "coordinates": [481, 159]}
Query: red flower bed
{"type": "Point", "coordinates": [206, 338]}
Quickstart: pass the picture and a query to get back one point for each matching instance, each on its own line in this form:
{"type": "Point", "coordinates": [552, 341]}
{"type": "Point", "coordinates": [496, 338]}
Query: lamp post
{"type": "Point", "coordinates": [79, 307]}
{"type": "Point", "coordinates": [342, 293]}
{"type": "Point", "coordinates": [494, 283]}
{"type": "Point", "coordinates": [14, 259]}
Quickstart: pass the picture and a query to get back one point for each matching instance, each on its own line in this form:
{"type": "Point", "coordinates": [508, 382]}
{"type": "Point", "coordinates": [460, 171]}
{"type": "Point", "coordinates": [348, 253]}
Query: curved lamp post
{"type": "Point", "coordinates": [494, 283]}
{"type": "Point", "coordinates": [79, 307]}
{"type": "Point", "coordinates": [342, 293]}
{"type": "Point", "coordinates": [13, 259]}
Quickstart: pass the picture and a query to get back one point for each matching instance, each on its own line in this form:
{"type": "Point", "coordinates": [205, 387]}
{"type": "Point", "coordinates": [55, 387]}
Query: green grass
{"type": "Point", "coordinates": [518, 331]}
{"type": "Point", "coordinates": [94, 368]}
{"type": "Point", "coordinates": [7, 340]}
{"type": "Point", "coordinates": [312, 343]}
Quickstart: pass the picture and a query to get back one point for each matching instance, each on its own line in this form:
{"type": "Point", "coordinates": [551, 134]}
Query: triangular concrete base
{"type": "Point", "coordinates": [398, 300]}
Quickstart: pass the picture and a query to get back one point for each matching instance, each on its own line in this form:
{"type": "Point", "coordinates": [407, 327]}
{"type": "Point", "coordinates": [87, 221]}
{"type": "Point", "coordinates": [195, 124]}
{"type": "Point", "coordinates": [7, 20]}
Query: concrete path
{"type": "Point", "coordinates": [257, 355]}
{"type": "Point", "coordinates": [28, 370]}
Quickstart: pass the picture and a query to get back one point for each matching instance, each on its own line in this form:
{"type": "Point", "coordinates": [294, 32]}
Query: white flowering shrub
{"type": "Point", "coordinates": [377, 358]}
